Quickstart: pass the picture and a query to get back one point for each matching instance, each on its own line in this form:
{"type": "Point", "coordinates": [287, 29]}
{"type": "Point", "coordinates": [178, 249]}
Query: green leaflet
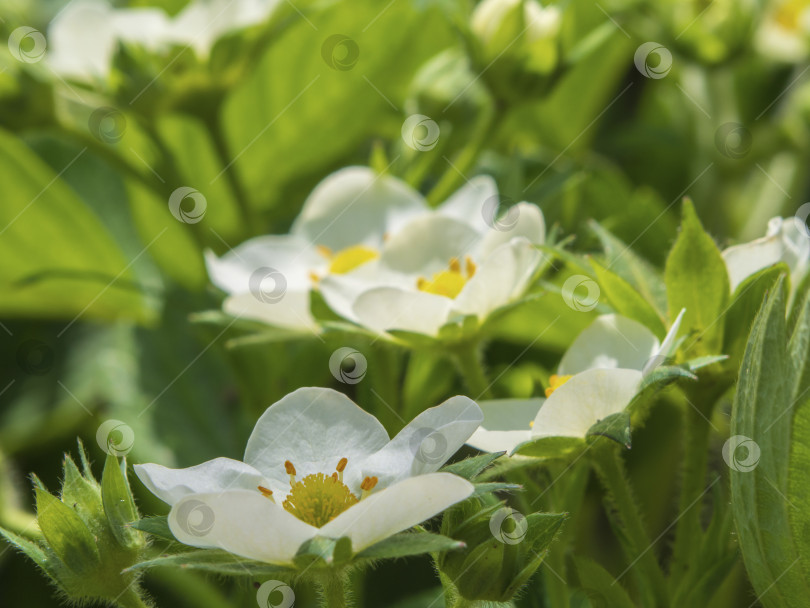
{"type": "Point", "coordinates": [601, 586]}
{"type": "Point", "coordinates": [410, 543]}
{"type": "Point", "coordinates": [697, 280]}
{"type": "Point", "coordinates": [769, 480]}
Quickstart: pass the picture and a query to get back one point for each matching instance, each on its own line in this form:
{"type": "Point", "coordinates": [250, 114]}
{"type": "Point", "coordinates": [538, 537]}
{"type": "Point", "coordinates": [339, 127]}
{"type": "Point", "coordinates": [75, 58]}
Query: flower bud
{"type": "Point", "coordinates": [519, 39]}
{"type": "Point", "coordinates": [504, 549]}
{"type": "Point", "coordinates": [86, 541]}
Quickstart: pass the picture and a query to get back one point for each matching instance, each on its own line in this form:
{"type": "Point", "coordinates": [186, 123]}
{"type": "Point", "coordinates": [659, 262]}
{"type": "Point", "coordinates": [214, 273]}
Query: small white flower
{"type": "Point", "coordinates": [599, 375]}
{"type": "Point", "coordinates": [317, 464]}
{"type": "Point", "coordinates": [785, 241]}
{"type": "Point", "coordinates": [457, 260]}
{"type": "Point", "coordinates": [341, 227]}
{"type": "Point", "coordinates": [784, 32]}
{"type": "Point", "coordinates": [83, 38]}
{"type": "Point", "coordinates": [384, 260]}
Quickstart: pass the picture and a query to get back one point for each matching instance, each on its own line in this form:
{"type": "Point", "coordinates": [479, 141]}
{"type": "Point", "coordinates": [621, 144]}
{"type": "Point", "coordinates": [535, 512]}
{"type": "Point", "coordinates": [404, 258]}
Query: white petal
{"type": "Point", "coordinates": [427, 442]}
{"type": "Point", "coordinates": [584, 400]}
{"type": "Point", "coordinates": [342, 290]}
{"type": "Point", "coordinates": [385, 308]}
{"type": "Point", "coordinates": [397, 508]}
{"type": "Point", "coordinates": [744, 260]}
{"type": "Point", "coordinates": [218, 475]}
{"type": "Point", "coordinates": [507, 424]}
{"type": "Point", "coordinates": [501, 278]}
{"type": "Point", "coordinates": [524, 219]}
{"type": "Point", "coordinates": [241, 522]}
{"type": "Point", "coordinates": [81, 40]}
{"type": "Point", "coordinates": [292, 256]}
{"type": "Point", "coordinates": [665, 350]}
{"type": "Point", "coordinates": [468, 203]}
{"type": "Point", "coordinates": [611, 341]}
{"type": "Point", "coordinates": [426, 244]}
{"type": "Point", "coordinates": [313, 428]}
{"type": "Point", "coordinates": [291, 311]}
{"type": "Point", "coordinates": [356, 205]}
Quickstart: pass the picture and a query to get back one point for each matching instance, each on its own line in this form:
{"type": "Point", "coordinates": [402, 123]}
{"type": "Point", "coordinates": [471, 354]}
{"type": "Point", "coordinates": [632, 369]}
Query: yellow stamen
{"type": "Point", "coordinates": [789, 13]}
{"type": "Point", "coordinates": [341, 466]}
{"type": "Point", "coordinates": [350, 258]}
{"type": "Point", "coordinates": [290, 471]}
{"type": "Point", "coordinates": [324, 251]}
{"type": "Point", "coordinates": [471, 267]}
{"type": "Point", "coordinates": [367, 486]}
{"type": "Point", "coordinates": [314, 277]}
{"type": "Point", "coordinates": [531, 424]}
{"type": "Point", "coordinates": [266, 492]}
{"type": "Point", "coordinates": [455, 265]}
{"type": "Point", "coordinates": [555, 382]}
{"type": "Point", "coordinates": [317, 499]}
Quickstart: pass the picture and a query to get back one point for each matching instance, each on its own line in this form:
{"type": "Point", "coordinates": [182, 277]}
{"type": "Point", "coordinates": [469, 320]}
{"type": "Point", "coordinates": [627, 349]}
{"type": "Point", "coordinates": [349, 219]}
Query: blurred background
{"type": "Point", "coordinates": [608, 111]}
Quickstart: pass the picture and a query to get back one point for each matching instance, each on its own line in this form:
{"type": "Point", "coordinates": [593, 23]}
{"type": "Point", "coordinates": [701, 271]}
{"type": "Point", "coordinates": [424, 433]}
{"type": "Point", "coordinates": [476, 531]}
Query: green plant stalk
{"type": "Point", "coordinates": [471, 367]}
{"type": "Point", "coordinates": [609, 467]}
{"type": "Point", "coordinates": [334, 592]}
{"type": "Point", "coordinates": [688, 531]}
{"type": "Point", "coordinates": [131, 599]}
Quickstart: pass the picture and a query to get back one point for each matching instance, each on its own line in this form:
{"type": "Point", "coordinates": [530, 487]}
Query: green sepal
{"type": "Point", "coordinates": [83, 494]}
{"type": "Point", "coordinates": [66, 533]}
{"type": "Point", "coordinates": [488, 487]}
{"type": "Point", "coordinates": [700, 362]}
{"type": "Point", "coordinates": [470, 468]}
{"type": "Point", "coordinates": [119, 504]}
{"type": "Point", "coordinates": [34, 552]}
{"type": "Point", "coordinates": [319, 552]}
{"type": "Point", "coordinates": [550, 447]}
{"type": "Point", "coordinates": [156, 526]}
{"type": "Point", "coordinates": [214, 561]}
{"type": "Point", "coordinates": [405, 544]}
{"type": "Point", "coordinates": [615, 427]}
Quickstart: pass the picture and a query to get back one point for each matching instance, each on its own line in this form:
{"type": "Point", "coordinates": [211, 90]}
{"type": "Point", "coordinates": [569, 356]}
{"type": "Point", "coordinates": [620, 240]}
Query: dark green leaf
{"type": "Point", "coordinates": [410, 543]}
{"type": "Point", "coordinates": [470, 468]}
{"type": "Point", "coordinates": [615, 427]}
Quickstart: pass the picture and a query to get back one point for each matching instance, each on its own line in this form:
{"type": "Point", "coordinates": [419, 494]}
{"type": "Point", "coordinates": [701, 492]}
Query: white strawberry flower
{"type": "Point", "coordinates": [316, 464]}
{"type": "Point", "coordinates": [598, 376]}
{"type": "Point", "coordinates": [458, 260]}
{"type": "Point", "coordinates": [383, 259]}
{"type": "Point", "coordinates": [786, 240]}
{"type": "Point", "coordinates": [83, 38]}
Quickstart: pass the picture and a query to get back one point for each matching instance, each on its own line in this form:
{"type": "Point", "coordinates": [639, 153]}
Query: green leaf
{"type": "Point", "coordinates": [745, 303]}
{"type": "Point", "coordinates": [119, 505]}
{"type": "Point", "coordinates": [215, 561]}
{"type": "Point", "coordinates": [768, 470]}
{"type": "Point", "coordinates": [156, 526]}
{"type": "Point", "coordinates": [60, 261]}
{"type": "Point", "coordinates": [470, 468]}
{"type": "Point", "coordinates": [276, 118]}
{"type": "Point", "coordinates": [697, 280]}
{"type": "Point", "coordinates": [410, 543]}
{"type": "Point", "coordinates": [66, 533]}
{"type": "Point", "coordinates": [615, 427]}
{"type": "Point", "coordinates": [601, 586]}
{"type": "Point", "coordinates": [626, 300]}
{"type": "Point", "coordinates": [634, 269]}
{"type": "Point", "coordinates": [489, 487]}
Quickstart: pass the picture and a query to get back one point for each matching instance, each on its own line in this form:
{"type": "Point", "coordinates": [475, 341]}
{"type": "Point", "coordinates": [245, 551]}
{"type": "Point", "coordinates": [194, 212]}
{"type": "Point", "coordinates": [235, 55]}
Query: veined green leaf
{"type": "Point", "coordinates": [410, 543]}
{"type": "Point", "coordinates": [697, 280]}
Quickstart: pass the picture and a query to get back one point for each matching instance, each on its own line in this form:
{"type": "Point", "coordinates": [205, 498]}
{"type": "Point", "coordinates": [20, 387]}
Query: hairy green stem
{"type": "Point", "coordinates": [334, 593]}
{"type": "Point", "coordinates": [470, 365]}
{"type": "Point", "coordinates": [609, 466]}
{"type": "Point", "coordinates": [131, 599]}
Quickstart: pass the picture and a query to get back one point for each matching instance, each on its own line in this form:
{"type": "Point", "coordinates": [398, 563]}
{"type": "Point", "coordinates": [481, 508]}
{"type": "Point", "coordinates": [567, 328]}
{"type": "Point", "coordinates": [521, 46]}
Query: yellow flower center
{"type": "Point", "coordinates": [788, 13]}
{"type": "Point", "coordinates": [555, 382]}
{"type": "Point", "coordinates": [318, 498]}
{"type": "Point", "coordinates": [450, 282]}
{"type": "Point", "coordinates": [349, 258]}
